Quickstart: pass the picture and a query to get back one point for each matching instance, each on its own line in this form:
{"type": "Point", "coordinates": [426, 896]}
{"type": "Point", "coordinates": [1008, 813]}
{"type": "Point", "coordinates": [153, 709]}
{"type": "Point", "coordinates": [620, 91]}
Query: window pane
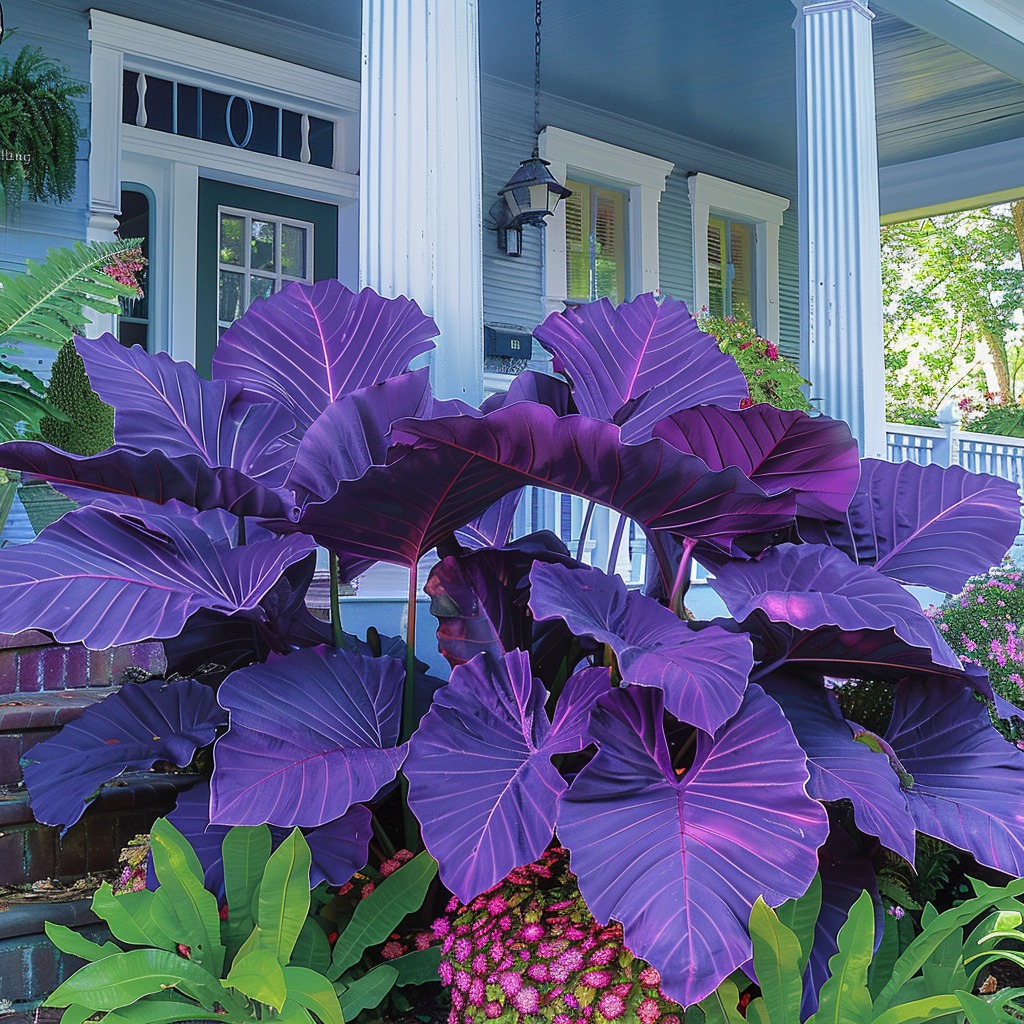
{"type": "Point", "coordinates": [716, 267]}
{"type": "Point", "coordinates": [260, 288]}
{"type": "Point", "coordinates": [133, 222]}
{"type": "Point", "coordinates": [609, 245]}
{"type": "Point", "coordinates": [577, 245]}
{"type": "Point", "coordinates": [293, 251]}
{"type": "Point", "coordinates": [741, 252]}
{"type": "Point", "coordinates": [261, 256]}
{"type": "Point", "coordinates": [230, 296]}
{"type": "Point", "coordinates": [231, 229]}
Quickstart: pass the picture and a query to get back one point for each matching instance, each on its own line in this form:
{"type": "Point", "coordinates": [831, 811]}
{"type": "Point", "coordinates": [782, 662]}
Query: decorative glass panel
{"type": "Point", "coordinates": [231, 240]}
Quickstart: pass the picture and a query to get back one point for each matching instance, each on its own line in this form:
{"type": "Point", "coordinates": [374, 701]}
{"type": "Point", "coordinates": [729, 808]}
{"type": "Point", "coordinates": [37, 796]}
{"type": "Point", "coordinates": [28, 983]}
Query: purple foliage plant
{"type": "Point", "coordinates": [688, 767]}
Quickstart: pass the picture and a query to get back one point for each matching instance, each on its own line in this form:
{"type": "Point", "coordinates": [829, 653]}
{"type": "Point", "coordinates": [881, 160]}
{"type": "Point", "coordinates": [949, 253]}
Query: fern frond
{"type": "Point", "coordinates": [46, 304]}
{"type": "Point", "coordinates": [21, 411]}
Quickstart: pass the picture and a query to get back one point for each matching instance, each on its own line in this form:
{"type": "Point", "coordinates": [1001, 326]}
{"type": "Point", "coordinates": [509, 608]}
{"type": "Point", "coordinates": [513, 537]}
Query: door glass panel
{"type": "Point", "coordinates": [260, 288]}
{"type": "Point", "coordinates": [263, 253]}
{"type": "Point", "coordinates": [293, 251]}
{"type": "Point", "coordinates": [231, 296]}
{"type": "Point", "coordinates": [231, 240]}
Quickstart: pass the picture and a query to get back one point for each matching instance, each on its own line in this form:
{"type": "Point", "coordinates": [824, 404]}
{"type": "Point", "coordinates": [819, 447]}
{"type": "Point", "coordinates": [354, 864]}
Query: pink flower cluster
{"type": "Point", "coordinates": [126, 269]}
{"type": "Point", "coordinates": [531, 948]}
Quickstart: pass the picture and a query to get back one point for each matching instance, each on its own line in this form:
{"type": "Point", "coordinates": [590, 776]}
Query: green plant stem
{"type": "Point", "coordinates": [336, 631]}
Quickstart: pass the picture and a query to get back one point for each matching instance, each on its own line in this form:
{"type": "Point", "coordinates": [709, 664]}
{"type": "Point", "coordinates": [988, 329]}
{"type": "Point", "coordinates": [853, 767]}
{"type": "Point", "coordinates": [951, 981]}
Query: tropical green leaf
{"type": "Point", "coordinates": [184, 895]}
{"type": "Point", "coordinates": [164, 1011]}
{"type": "Point", "coordinates": [776, 963]}
{"type": "Point", "coordinates": [376, 917]}
{"type": "Point", "coordinates": [844, 998]}
{"type": "Point", "coordinates": [366, 992]}
{"type": "Point", "coordinates": [45, 304]}
{"type": "Point", "coordinates": [246, 850]}
{"type": "Point", "coordinates": [418, 967]}
{"type": "Point", "coordinates": [75, 944]}
{"type": "Point", "coordinates": [76, 1014]}
{"type": "Point", "coordinates": [721, 1007]}
{"type": "Point", "coordinates": [920, 1010]}
{"type": "Point", "coordinates": [313, 991]}
{"type": "Point", "coordinates": [259, 976]}
{"type": "Point", "coordinates": [21, 411]}
{"type": "Point", "coordinates": [757, 1013]}
{"type": "Point", "coordinates": [800, 916]}
{"type": "Point", "coordinates": [120, 980]}
{"type": "Point", "coordinates": [130, 917]}
{"type": "Point", "coordinates": [978, 1011]}
{"type": "Point", "coordinates": [284, 896]}
{"type": "Point", "coordinates": [312, 949]}
{"type": "Point", "coordinates": [885, 957]}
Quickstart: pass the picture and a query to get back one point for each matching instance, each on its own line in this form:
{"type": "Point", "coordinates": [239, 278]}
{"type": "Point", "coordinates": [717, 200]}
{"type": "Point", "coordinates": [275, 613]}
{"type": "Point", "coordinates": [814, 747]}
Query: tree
{"type": "Point", "coordinates": [953, 291]}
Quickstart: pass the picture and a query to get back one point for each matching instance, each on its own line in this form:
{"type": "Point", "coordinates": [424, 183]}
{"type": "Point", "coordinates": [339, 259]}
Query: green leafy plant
{"type": "Point", "coordinates": [932, 979]}
{"type": "Point", "coordinates": [39, 128]}
{"type": "Point", "coordinates": [771, 377]}
{"type": "Point", "coordinates": [89, 424]}
{"type": "Point", "coordinates": [179, 955]}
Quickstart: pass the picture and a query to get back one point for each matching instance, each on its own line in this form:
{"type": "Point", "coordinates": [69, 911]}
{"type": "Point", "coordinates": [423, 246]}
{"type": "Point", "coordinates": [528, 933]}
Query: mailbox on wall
{"type": "Point", "coordinates": [508, 342]}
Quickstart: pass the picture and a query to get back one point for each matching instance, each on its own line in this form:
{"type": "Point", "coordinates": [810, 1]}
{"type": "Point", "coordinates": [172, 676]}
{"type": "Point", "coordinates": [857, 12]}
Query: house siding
{"type": "Point", "coordinates": [513, 287]}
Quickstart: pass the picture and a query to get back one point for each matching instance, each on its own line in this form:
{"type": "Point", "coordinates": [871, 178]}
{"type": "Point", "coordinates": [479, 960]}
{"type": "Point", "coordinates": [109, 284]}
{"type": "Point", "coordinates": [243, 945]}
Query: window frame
{"type": "Point", "coordinates": [732, 201]}
{"type": "Point", "coordinates": [642, 177]}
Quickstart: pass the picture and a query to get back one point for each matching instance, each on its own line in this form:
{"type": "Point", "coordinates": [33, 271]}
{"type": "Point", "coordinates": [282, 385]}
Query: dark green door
{"type": "Point", "coordinates": [251, 244]}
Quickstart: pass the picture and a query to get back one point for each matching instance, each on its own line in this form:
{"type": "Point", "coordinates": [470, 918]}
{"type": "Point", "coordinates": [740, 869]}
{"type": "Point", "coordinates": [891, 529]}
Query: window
{"type": "Point", "coordinates": [257, 256]}
{"type": "Point", "coordinates": [736, 250]}
{"type": "Point", "coordinates": [595, 242]}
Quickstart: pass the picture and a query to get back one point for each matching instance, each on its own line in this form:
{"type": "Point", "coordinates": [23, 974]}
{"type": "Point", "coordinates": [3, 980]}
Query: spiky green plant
{"type": "Point", "coordinates": [38, 123]}
{"type": "Point", "coordinates": [89, 426]}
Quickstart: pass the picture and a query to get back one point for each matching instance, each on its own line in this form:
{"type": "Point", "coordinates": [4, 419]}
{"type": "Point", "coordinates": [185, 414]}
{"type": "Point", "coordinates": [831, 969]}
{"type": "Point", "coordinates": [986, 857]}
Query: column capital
{"type": "Point", "coordinates": [806, 7]}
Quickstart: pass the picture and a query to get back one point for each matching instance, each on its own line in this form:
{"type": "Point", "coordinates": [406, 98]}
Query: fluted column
{"type": "Point", "coordinates": [420, 217]}
{"type": "Point", "coordinates": [840, 263]}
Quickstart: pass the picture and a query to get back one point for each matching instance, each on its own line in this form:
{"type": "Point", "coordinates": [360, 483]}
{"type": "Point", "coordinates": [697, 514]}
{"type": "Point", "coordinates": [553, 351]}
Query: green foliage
{"type": "Point", "coordinates": [38, 123]}
{"type": "Point", "coordinates": [89, 424]}
{"type": "Point", "coordinates": [267, 954]}
{"type": "Point", "coordinates": [771, 377]}
{"type": "Point", "coordinates": [931, 980]}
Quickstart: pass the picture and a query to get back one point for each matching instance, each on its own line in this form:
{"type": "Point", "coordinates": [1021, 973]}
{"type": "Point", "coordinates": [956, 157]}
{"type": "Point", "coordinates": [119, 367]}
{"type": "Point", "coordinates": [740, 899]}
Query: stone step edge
{"type": "Point", "coordinates": [47, 710]}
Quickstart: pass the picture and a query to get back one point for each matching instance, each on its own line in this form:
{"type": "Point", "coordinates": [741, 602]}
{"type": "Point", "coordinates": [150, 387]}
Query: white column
{"type": "Point", "coordinates": [840, 263]}
{"type": "Point", "coordinates": [421, 219]}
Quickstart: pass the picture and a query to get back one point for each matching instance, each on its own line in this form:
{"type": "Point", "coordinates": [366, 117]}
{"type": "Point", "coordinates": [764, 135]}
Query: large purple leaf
{"type": "Point", "coordinates": [152, 476]}
{"type": "Point", "coordinates": [480, 598]}
{"type": "Point", "coordinates": [311, 733]}
{"type": "Point", "coordinates": [815, 588]}
{"type": "Point", "coordinates": [308, 345]}
{"type": "Point", "coordinates": [967, 780]}
{"type": "Point", "coordinates": [531, 386]}
{"type": "Point", "coordinates": [615, 354]}
{"type": "Point", "coordinates": [481, 781]}
{"type": "Point", "coordinates": [493, 527]}
{"type": "Point", "coordinates": [130, 730]}
{"type": "Point", "coordinates": [910, 522]}
{"type": "Point", "coordinates": [703, 673]}
{"type": "Point", "coordinates": [680, 860]}
{"type": "Point", "coordinates": [339, 848]}
{"type": "Point", "coordinates": [101, 579]}
{"type": "Point", "coordinates": [163, 404]}
{"type": "Point", "coordinates": [841, 767]}
{"type": "Point", "coordinates": [814, 455]}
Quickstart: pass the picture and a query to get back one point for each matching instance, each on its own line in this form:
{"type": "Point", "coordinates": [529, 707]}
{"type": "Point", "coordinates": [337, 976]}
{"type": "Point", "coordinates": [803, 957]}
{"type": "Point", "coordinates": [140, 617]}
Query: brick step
{"type": "Point", "coordinates": [30, 852]}
{"type": "Point", "coordinates": [29, 718]}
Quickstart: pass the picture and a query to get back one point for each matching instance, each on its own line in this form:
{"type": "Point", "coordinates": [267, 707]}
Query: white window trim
{"type": "Point", "coordinates": [708, 195]}
{"type": "Point", "coordinates": [171, 165]}
{"type": "Point", "coordinates": [643, 177]}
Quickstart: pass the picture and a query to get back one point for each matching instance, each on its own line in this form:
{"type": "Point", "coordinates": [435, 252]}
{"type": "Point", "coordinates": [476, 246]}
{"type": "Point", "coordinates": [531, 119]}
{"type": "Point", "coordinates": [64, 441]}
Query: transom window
{"type": "Point", "coordinates": [595, 242]}
{"type": "Point", "coordinates": [731, 269]}
{"type": "Point", "coordinates": [257, 256]}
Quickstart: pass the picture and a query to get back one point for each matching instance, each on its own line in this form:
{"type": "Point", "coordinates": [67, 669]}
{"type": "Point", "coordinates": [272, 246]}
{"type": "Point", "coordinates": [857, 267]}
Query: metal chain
{"type": "Point", "coordinates": [536, 77]}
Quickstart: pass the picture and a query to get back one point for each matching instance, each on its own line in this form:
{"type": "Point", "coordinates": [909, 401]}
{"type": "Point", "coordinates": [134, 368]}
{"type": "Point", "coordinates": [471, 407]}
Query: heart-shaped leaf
{"type": "Point", "coordinates": [101, 579]}
{"type": "Point", "coordinates": [910, 521]}
{"type": "Point", "coordinates": [778, 449]}
{"type": "Point", "coordinates": [488, 725]}
{"type": "Point", "coordinates": [308, 345]}
{"type": "Point", "coordinates": [703, 673]}
{"type": "Point", "coordinates": [736, 825]}
{"type": "Point", "coordinates": [130, 730]}
{"type": "Point", "coordinates": [617, 353]}
{"type": "Point", "coordinates": [311, 733]}
{"type": "Point", "coordinates": [966, 777]}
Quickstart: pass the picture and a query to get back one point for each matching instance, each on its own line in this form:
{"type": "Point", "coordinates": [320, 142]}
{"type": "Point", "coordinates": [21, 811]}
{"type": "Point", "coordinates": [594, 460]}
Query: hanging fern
{"type": "Point", "coordinates": [45, 305]}
{"type": "Point", "coordinates": [38, 123]}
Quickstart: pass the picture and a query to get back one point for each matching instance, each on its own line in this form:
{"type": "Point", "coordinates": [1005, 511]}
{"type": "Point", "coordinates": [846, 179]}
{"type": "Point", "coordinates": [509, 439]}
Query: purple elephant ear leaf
{"type": "Point", "coordinates": [818, 590]}
{"type": "Point", "coordinates": [737, 825]}
{"type": "Point", "coordinates": [966, 778]}
{"type": "Point", "coordinates": [489, 725]}
{"type": "Point", "coordinates": [164, 404]}
{"type": "Point", "coordinates": [909, 521]}
{"type": "Point", "coordinates": [641, 349]}
{"type": "Point", "coordinates": [814, 455]}
{"type": "Point", "coordinates": [130, 730]}
{"type": "Point", "coordinates": [703, 673]}
{"type": "Point", "coordinates": [339, 848]}
{"type": "Point", "coordinates": [97, 578]}
{"type": "Point", "coordinates": [493, 527]}
{"type": "Point", "coordinates": [311, 733]}
{"type": "Point", "coordinates": [842, 768]}
{"type": "Point", "coordinates": [531, 386]}
{"type": "Point", "coordinates": [308, 345]}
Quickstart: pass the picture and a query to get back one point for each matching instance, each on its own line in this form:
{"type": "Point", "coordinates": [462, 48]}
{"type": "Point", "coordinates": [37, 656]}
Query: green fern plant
{"type": "Point", "coordinates": [38, 123]}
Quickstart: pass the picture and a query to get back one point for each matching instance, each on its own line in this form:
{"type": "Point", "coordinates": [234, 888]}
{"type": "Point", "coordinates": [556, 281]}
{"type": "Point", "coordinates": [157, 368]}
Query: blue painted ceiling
{"type": "Point", "coordinates": [721, 71]}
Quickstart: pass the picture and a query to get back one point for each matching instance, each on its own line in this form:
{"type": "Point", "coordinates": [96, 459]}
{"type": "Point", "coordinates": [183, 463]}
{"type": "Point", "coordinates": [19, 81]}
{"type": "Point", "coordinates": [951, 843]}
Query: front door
{"type": "Point", "coordinates": [251, 243]}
